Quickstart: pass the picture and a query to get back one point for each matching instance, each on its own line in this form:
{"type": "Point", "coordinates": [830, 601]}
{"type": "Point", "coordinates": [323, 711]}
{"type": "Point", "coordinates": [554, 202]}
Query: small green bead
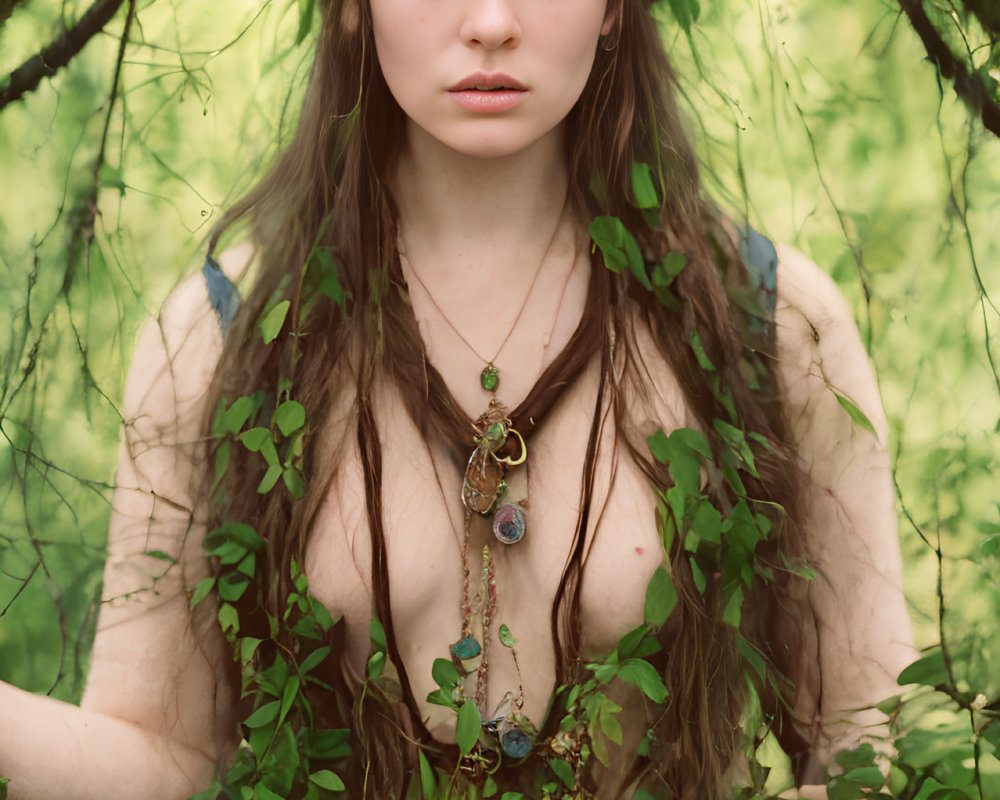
{"type": "Point", "coordinates": [489, 378]}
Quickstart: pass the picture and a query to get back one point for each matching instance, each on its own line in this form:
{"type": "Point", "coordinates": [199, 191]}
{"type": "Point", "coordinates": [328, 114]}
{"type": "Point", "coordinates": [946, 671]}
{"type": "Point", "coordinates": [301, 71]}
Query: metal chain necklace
{"type": "Point", "coordinates": [489, 378]}
{"type": "Point", "coordinates": [498, 446]}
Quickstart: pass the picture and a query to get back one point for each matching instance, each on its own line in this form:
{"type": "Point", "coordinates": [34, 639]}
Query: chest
{"type": "Point", "coordinates": [434, 562]}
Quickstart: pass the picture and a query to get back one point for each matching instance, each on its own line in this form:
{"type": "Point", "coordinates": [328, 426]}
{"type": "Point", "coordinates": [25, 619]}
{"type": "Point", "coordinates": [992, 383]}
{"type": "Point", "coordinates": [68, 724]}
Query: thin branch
{"type": "Point", "coordinates": [59, 53]}
{"type": "Point", "coordinates": [969, 86]}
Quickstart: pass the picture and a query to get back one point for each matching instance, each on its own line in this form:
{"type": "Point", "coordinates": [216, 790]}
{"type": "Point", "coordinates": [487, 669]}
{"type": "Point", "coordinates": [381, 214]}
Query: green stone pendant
{"type": "Point", "coordinates": [489, 378]}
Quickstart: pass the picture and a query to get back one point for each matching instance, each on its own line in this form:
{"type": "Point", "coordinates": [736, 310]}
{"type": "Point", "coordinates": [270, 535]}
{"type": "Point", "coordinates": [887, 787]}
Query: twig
{"type": "Point", "coordinates": [968, 86]}
{"type": "Point", "coordinates": [58, 53]}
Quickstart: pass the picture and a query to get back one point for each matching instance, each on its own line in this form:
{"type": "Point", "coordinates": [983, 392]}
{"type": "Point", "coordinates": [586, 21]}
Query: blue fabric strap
{"type": "Point", "coordinates": [222, 293]}
{"type": "Point", "coordinates": [761, 260]}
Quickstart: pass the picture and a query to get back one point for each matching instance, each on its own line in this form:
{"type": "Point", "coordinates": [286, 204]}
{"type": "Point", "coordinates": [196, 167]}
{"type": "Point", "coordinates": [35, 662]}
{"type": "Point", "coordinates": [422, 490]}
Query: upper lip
{"type": "Point", "coordinates": [488, 80]}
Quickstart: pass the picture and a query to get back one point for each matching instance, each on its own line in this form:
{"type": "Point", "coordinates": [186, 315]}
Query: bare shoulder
{"type": "Point", "coordinates": [155, 662]}
{"type": "Point", "coordinates": [850, 527]}
{"type": "Point", "coordinates": [823, 365]}
{"type": "Point", "coordinates": [178, 351]}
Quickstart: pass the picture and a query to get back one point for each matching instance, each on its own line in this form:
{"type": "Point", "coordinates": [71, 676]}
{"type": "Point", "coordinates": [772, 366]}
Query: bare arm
{"type": "Point", "coordinates": [863, 629]}
{"type": "Point", "coordinates": [158, 709]}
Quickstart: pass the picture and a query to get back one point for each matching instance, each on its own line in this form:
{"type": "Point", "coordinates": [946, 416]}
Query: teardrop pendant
{"type": "Point", "coordinates": [509, 523]}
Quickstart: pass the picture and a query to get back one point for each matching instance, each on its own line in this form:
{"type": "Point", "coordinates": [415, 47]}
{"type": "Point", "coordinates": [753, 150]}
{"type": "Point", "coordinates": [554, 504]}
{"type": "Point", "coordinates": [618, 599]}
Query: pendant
{"type": "Point", "coordinates": [465, 648]}
{"type": "Point", "coordinates": [489, 378]}
{"type": "Point", "coordinates": [509, 523]}
{"type": "Point", "coordinates": [483, 479]}
{"type": "Point", "coordinates": [483, 485]}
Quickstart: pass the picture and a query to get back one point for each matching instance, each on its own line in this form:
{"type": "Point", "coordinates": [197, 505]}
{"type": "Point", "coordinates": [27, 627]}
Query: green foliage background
{"type": "Point", "coordinates": [820, 120]}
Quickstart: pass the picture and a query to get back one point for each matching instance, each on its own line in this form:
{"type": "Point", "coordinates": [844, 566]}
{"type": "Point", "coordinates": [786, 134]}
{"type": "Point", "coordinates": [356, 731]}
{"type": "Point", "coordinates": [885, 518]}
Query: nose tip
{"type": "Point", "coordinates": [491, 24]}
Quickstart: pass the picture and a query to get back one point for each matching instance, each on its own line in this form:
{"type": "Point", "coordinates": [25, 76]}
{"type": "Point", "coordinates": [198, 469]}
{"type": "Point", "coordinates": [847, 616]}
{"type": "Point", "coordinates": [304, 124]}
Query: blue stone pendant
{"type": "Point", "coordinates": [515, 743]}
{"type": "Point", "coordinates": [509, 523]}
{"type": "Point", "coordinates": [465, 648]}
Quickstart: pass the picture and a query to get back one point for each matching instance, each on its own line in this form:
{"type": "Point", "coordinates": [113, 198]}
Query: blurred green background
{"type": "Point", "coordinates": [820, 120]}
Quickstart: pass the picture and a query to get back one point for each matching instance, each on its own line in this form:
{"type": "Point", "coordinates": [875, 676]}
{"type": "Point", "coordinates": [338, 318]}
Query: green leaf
{"type": "Point", "coordinates": [326, 779]}
{"type": "Point", "coordinates": [506, 637]}
{"type": "Point", "coordinates": [327, 743]}
{"type": "Point", "coordinates": [489, 786]}
{"type": "Point", "coordinates": [842, 789]}
{"type": "Point", "coordinates": [441, 697]}
{"type": "Point", "coordinates": [305, 19]}
{"type": "Point", "coordinates": [512, 796]}
{"type": "Point", "coordinates": [264, 715]}
{"type": "Point", "coordinates": [734, 608]}
{"type": "Point", "coordinates": [929, 670]}
{"type": "Point", "coordinates": [642, 186]}
{"type": "Point", "coordinates": [293, 482]}
{"type": "Point", "coordinates": [201, 591]}
{"type": "Point", "coordinates": [376, 665]}
{"type": "Point", "coordinates": [644, 675]}
{"type": "Point", "coordinates": [638, 643]}
{"type": "Point", "coordinates": [254, 439]}
{"type": "Point", "coordinates": [270, 479]}
{"type": "Point", "coordinates": [754, 659]}
{"type": "Point", "coordinates": [288, 695]}
{"type": "Point", "coordinates": [861, 756]}
{"type": "Point", "coordinates": [670, 266]}
{"type": "Point", "coordinates": [686, 12]}
{"type": "Point", "coordinates": [445, 673]}
{"type": "Point", "coordinates": [619, 248]}
{"type": "Point", "coordinates": [222, 455]}
{"type": "Point", "coordinates": [232, 585]}
{"type": "Point", "coordinates": [313, 660]}
{"type": "Point", "coordinates": [248, 646]}
{"type": "Point", "coordinates": [467, 728]}
{"type": "Point", "coordinates": [428, 786]}
{"type": "Point", "coordinates": [329, 284]}
{"type": "Point", "coordinates": [856, 414]}
{"type": "Point", "coordinates": [229, 620]}
{"type": "Point", "coordinates": [661, 597]}
{"type": "Point", "coordinates": [563, 771]}
{"type": "Point", "coordinates": [869, 777]}
{"type": "Point", "coordinates": [248, 565]}
{"type": "Point", "coordinates": [376, 633]}
{"type": "Point", "coordinates": [610, 726]}
{"type": "Point", "coordinates": [707, 523]}
{"type": "Point", "coordinates": [270, 324]}
{"type": "Point", "coordinates": [697, 576]}
{"type": "Point", "coordinates": [289, 417]}
{"type": "Point", "coordinates": [234, 418]}
{"type": "Point", "coordinates": [261, 792]}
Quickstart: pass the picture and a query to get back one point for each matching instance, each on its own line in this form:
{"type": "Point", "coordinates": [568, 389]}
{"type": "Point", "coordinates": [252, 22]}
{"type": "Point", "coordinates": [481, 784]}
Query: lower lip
{"type": "Point", "coordinates": [488, 101]}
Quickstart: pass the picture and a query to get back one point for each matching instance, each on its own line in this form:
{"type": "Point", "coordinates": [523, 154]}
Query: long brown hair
{"type": "Point", "coordinates": [328, 190]}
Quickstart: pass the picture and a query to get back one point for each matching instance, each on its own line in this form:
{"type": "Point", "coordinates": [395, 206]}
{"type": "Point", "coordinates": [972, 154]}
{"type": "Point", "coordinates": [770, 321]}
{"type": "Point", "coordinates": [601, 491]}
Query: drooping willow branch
{"type": "Point", "coordinates": [968, 85]}
{"type": "Point", "coordinates": [59, 52]}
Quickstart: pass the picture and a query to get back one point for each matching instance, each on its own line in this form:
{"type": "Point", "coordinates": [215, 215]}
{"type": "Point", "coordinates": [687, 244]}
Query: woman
{"type": "Point", "coordinates": [485, 270]}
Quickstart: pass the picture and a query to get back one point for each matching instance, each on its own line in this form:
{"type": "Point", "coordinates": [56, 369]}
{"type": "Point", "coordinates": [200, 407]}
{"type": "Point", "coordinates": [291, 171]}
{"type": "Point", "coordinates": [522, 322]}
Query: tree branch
{"type": "Point", "coordinates": [969, 86]}
{"type": "Point", "coordinates": [988, 14]}
{"type": "Point", "coordinates": [6, 7]}
{"type": "Point", "coordinates": [59, 53]}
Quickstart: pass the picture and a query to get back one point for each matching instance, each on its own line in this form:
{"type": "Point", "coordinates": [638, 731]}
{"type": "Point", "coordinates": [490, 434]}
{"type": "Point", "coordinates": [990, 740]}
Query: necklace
{"type": "Point", "coordinates": [498, 446]}
{"type": "Point", "coordinates": [489, 378]}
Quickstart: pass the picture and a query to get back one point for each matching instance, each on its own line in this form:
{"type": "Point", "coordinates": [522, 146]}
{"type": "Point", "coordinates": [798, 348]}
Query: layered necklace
{"type": "Point", "coordinates": [497, 447]}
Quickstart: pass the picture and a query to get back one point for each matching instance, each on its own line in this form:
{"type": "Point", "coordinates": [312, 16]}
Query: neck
{"type": "Point", "coordinates": [478, 214]}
